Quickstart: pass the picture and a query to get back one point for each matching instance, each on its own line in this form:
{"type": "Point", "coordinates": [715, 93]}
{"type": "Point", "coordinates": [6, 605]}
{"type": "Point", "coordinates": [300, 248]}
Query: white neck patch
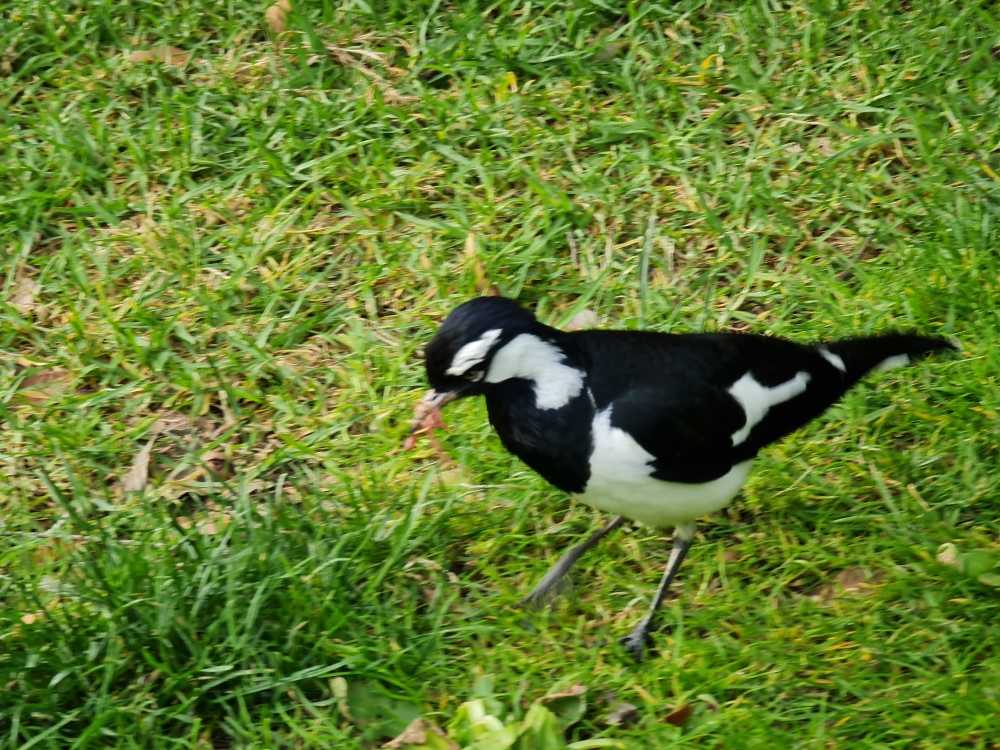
{"type": "Point", "coordinates": [473, 353]}
{"type": "Point", "coordinates": [527, 356]}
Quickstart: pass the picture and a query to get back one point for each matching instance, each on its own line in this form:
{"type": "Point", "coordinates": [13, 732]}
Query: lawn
{"type": "Point", "coordinates": [221, 263]}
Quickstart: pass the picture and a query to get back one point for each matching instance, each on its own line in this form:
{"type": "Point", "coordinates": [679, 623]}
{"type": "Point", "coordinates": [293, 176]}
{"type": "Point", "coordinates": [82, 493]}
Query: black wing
{"type": "Point", "coordinates": [673, 394]}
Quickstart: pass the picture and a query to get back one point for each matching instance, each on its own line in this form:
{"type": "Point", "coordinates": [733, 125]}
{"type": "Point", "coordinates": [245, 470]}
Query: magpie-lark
{"type": "Point", "coordinates": [658, 428]}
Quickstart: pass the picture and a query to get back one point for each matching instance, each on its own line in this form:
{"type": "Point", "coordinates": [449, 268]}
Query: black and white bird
{"type": "Point", "coordinates": [653, 427]}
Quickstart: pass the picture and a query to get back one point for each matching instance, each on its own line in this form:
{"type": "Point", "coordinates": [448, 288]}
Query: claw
{"type": "Point", "coordinates": [635, 643]}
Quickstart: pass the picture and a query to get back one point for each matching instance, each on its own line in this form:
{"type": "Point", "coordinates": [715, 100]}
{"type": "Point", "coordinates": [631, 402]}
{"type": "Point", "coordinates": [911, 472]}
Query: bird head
{"type": "Point", "coordinates": [459, 357]}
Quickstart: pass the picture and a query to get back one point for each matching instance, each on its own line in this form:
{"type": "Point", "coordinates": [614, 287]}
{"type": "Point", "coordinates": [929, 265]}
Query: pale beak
{"type": "Point", "coordinates": [435, 400]}
{"type": "Point", "coordinates": [430, 403]}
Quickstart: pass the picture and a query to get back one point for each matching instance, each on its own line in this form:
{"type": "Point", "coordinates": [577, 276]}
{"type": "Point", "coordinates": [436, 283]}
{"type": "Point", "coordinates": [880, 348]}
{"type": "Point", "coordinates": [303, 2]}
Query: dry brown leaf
{"type": "Point", "coordinates": [583, 319]}
{"type": "Point", "coordinates": [850, 579]}
{"type": "Point", "coordinates": [449, 477]}
{"type": "Point", "coordinates": [416, 734]}
{"type": "Point", "coordinates": [574, 692]}
{"type": "Point", "coordinates": [472, 256]}
{"type": "Point", "coordinates": [948, 555]}
{"type": "Point", "coordinates": [172, 421]}
{"type": "Point", "coordinates": [623, 714]}
{"type": "Point", "coordinates": [680, 715]}
{"type": "Point", "coordinates": [824, 595]}
{"type": "Point", "coordinates": [28, 618]}
{"type": "Point", "coordinates": [23, 297]}
{"type": "Point", "coordinates": [44, 385]}
{"type": "Point", "coordinates": [138, 475]}
{"type": "Point", "coordinates": [162, 54]}
{"type": "Point", "coordinates": [611, 50]}
{"type": "Point", "coordinates": [217, 463]}
{"type": "Point", "coordinates": [276, 17]}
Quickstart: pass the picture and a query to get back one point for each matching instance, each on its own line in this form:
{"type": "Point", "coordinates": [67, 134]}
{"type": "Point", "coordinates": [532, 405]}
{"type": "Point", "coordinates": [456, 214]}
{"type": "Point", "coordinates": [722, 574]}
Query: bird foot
{"type": "Point", "coordinates": [545, 594]}
{"type": "Point", "coordinates": [635, 642]}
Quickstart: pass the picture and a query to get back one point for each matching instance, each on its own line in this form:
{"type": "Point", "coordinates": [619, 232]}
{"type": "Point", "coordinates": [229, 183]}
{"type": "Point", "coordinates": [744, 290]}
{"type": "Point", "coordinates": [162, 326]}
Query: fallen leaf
{"type": "Point", "coordinates": [22, 298]}
{"type": "Point", "coordinates": [172, 421]}
{"type": "Point", "coordinates": [414, 734]}
{"type": "Point", "coordinates": [823, 595]}
{"type": "Point", "coordinates": [52, 375]}
{"type": "Point", "coordinates": [450, 477]}
{"type": "Point", "coordinates": [421, 735]}
{"type": "Point", "coordinates": [851, 579]}
{"type": "Point", "coordinates": [43, 385]}
{"type": "Point", "coordinates": [138, 475]}
{"type": "Point", "coordinates": [947, 554]}
{"type": "Point", "coordinates": [28, 618]}
{"type": "Point", "coordinates": [476, 264]}
{"type": "Point", "coordinates": [162, 54]}
{"type": "Point", "coordinates": [216, 463]}
{"type": "Point", "coordinates": [680, 715]}
{"type": "Point", "coordinates": [624, 714]}
{"type": "Point", "coordinates": [611, 50]}
{"type": "Point", "coordinates": [569, 706]}
{"type": "Point", "coordinates": [583, 319]}
{"type": "Point", "coordinates": [338, 686]}
{"type": "Point", "coordinates": [276, 17]}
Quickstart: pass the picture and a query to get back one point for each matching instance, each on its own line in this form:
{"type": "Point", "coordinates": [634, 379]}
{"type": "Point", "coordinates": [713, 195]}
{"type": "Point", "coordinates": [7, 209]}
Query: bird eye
{"type": "Point", "coordinates": [475, 375]}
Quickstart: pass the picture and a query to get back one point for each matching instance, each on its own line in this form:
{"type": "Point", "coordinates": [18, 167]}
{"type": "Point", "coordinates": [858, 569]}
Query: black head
{"type": "Point", "coordinates": [459, 355]}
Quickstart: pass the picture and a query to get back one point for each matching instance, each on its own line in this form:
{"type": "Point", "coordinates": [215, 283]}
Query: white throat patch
{"type": "Point", "coordinates": [473, 353]}
{"type": "Point", "coordinates": [757, 399]}
{"type": "Point", "coordinates": [834, 359]}
{"type": "Point", "coordinates": [527, 356]}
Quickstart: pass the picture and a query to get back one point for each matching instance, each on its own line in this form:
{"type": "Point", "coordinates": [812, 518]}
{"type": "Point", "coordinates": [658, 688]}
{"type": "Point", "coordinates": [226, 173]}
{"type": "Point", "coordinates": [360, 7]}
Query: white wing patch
{"type": "Point", "coordinates": [891, 362]}
{"type": "Point", "coordinates": [757, 399]}
{"type": "Point", "coordinates": [833, 359]}
{"type": "Point", "coordinates": [473, 353]}
{"type": "Point", "coordinates": [617, 457]}
{"type": "Point", "coordinates": [527, 356]}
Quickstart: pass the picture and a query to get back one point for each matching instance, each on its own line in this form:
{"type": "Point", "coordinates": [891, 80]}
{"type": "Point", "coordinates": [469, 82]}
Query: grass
{"type": "Point", "coordinates": [253, 246]}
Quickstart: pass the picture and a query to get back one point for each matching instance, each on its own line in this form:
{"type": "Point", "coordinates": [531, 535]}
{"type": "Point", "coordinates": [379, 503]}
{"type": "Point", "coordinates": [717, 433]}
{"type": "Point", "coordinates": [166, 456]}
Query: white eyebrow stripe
{"type": "Point", "coordinates": [833, 359]}
{"type": "Point", "coordinates": [473, 353]}
{"type": "Point", "coordinates": [757, 399]}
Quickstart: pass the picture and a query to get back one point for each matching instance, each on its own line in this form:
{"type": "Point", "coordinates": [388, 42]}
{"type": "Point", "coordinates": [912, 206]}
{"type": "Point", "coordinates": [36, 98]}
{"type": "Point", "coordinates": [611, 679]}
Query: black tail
{"type": "Point", "coordinates": [861, 355]}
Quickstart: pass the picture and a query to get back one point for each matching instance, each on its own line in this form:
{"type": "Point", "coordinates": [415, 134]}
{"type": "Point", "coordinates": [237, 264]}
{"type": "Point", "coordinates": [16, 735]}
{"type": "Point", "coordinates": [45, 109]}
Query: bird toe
{"type": "Point", "coordinates": [634, 644]}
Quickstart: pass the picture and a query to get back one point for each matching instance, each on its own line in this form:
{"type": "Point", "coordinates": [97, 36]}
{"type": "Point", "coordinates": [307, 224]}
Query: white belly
{"type": "Point", "coordinates": [656, 503]}
{"type": "Point", "coordinates": [620, 482]}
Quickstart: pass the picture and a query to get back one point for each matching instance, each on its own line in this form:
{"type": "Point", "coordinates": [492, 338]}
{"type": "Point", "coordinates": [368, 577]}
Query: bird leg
{"type": "Point", "coordinates": [567, 561]}
{"type": "Point", "coordinates": [635, 641]}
